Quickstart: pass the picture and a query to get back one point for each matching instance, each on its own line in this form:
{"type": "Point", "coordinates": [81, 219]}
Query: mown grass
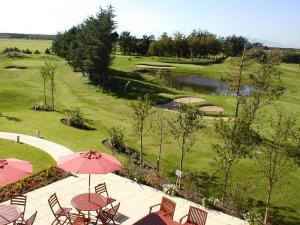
{"type": "Point", "coordinates": [21, 44]}
{"type": "Point", "coordinates": [106, 108]}
{"type": "Point", "coordinates": [39, 159]}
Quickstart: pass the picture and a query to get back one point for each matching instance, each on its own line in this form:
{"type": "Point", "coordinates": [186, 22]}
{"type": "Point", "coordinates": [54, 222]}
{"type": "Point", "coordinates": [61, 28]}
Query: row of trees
{"type": "Point", "coordinates": [195, 45]}
{"type": "Point", "coordinates": [25, 51]}
{"type": "Point", "coordinates": [238, 138]}
{"type": "Point", "coordinates": [88, 46]}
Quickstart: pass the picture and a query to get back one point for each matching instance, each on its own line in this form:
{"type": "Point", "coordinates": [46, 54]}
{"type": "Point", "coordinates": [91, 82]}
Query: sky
{"type": "Point", "coordinates": [273, 22]}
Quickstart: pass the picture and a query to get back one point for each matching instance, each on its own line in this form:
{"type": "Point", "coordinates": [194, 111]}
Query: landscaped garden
{"type": "Point", "coordinates": [104, 109]}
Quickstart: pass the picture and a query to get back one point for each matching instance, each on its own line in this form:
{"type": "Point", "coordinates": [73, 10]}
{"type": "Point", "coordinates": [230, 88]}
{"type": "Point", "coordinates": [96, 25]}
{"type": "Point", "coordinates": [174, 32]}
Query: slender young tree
{"type": "Point", "coordinates": [238, 137]}
{"type": "Point", "coordinates": [45, 77]}
{"type": "Point", "coordinates": [159, 132]}
{"type": "Point", "coordinates": [51, 75]}
{"type": "Point", "coordinates": [142, 110]}
{"type": "Point", "coordinates": [273, 158]}
{"type": "Point", "coordinates": [183, 128]}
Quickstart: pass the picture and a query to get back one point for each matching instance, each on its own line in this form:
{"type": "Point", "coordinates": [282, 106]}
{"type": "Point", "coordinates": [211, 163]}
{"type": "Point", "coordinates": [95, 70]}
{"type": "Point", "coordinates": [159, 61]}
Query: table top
{"type": "Point", "coordinates": [9, 213]}
{"type": "Point", "coordinates": [89, 202]}
{"type": "Point", "coordinates": [154, 219]}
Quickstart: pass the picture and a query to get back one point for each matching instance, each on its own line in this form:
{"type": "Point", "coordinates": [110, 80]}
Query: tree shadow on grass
{"type": "Point", "coordinates": [282, 215]}
{"type": "Point", "coordinates": [11, 118]}
{"type": "Point", "coordinates": [132, 86]}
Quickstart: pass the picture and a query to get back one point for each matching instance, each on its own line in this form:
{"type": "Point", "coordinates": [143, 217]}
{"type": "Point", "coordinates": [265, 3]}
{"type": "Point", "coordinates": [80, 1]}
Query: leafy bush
{"type": "Point", "coordinates": [210, 202]}
{"type": "Point", "coordinates": [116, 137]}
{"type": "Point", "coordinates": [37, 52]}
{"type": "Point", "coordinates": [26, 51]}
{"type": "Point", "coordinates": [253, 217]}
{"type": "Point", "coordinates": [74, 117]}
{"type": "Point", "coordinates": [169, 189]}
{"type": "Point", "coordinates": [47, 51]}
{"type": "Point", "coordinates": [41, 107]}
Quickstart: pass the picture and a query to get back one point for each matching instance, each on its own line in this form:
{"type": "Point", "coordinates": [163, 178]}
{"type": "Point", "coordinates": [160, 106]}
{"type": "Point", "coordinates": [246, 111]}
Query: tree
{"type": "Point", "coordinates": [183, 128]}
{"type": "Point", "coordinates": [180, 45]}
{"type": "Point", "coordinates": [234, 45]}
{"type": "Point", "coordinates": [142, 109]}
{"type": "Point", "coordinates": [238, 137]}
{"type": "Point", "coordinates": [159, 132]}
{"type": "Point", "coordinates": [273, 158]}
{"type": "Point", "coordinates": [47, 73]}
{"type": "Point", "coordinates": [51, 74]}
{"type": "Point", "coordinates": [126, 42]}
{"type": "Point", "coordinates": [47, 51]}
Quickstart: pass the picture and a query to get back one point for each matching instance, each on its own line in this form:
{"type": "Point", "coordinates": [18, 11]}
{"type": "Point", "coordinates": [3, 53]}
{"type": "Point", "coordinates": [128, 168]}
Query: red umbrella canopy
{"type": "Point", "coordinates": [90, 162]}
{"type": "Point", "coordinates": [12, 170]}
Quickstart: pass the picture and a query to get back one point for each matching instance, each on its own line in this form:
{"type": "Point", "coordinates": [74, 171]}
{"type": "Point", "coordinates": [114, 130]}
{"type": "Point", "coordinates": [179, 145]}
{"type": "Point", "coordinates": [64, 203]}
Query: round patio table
{"type": "Point", "coordinates": [88, 202]}
{"type": "Point", "coordinates": [9, 214]}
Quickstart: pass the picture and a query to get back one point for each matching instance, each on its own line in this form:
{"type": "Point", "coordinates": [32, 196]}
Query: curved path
{"type": "Point", "coordinates": [53, 149]}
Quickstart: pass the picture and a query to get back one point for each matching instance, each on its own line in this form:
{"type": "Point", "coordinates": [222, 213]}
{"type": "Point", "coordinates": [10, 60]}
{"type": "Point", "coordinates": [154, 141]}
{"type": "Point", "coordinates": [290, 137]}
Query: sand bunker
{"type": "Point", "coordinates": [146, 66]}
{"type": "Point", "coordinates": [15, 68]}
{"type": "Point", "coordinates": [211, 108]}
{"type": "Point", "coordinates": [189, 100]}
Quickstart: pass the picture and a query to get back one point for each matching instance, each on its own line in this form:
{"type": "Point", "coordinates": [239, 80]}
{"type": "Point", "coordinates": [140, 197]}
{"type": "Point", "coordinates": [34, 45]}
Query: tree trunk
{"type": "Point", "coordinates": [268, 204]}
{"type": "Point", "coordinates": [238, 94]}
{"type": "Point", "coordinates": [181, 168]}
{"type": "Point", "coordinates": [45, 97]}
{"type": "Point", "coordinates": [52, 96]}
{"type": "Point", "coordinates": [141, 142]}
{"type": "Point", "coordinates": [225, 185]}
{"type": "Point", "coordinates": [160, 148]}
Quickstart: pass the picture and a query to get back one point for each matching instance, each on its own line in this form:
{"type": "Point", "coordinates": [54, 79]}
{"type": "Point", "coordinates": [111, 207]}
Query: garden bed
{"type": "Point", "coordinates": [15, 68]}
{"type": "Point", "coordinates": [81, 127]}
{"type": "Point", "coordinates": [31, 183]}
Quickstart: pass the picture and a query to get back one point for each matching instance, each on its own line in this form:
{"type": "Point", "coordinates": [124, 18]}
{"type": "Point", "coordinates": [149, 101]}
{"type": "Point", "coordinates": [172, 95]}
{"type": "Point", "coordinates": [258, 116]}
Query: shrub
{"type": "Point", "coordinates": [26, 51]}
{"type": "Point", "coordinates": [169, 189]}
{"type": "Point", "coordinates": [47, 51]}
{"type": "Point", "coordinates": [116, 137]}
{"type": "Point", "coordinates": [37, 52]}
{"type": "Point", "coordinates": [253, 217]}
{"type": "Point", "coordinates": [41, 107]}
{"type": "Point", "coordinates": [74, 117]}
{"type": "Point", "coordinates": [210, 202]}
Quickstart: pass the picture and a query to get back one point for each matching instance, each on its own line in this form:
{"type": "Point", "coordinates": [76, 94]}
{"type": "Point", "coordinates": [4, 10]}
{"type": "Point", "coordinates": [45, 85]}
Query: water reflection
{"type": "Point", "coordinates": [200, 84]}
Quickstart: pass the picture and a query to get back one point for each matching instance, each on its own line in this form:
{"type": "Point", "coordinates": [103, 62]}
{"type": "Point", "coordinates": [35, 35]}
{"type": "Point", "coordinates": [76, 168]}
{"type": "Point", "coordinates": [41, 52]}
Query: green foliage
{"type": "Point", "coordinates": [116, 136]}
{"type": "Point", "coordinates": [141, 109]}
{"type": "Point", "coordinates": [88, 47]}
{"type": "Point", "coordinates": [184, 127]}
{"type": "Point", "coordinates": [253, 217]}
{"type": "Point", "coordinates": [40, 106]}
{"type": "Point", "coordinates": [169, 189]}
{"type": "Point", "coordinates": [37, 52]}
{"type": "Point", "coordinates": [27, 51]}
{"type": "Point", "coordinates": [74, 117]}
{"type": "Point", "coordinates": [47, 51]}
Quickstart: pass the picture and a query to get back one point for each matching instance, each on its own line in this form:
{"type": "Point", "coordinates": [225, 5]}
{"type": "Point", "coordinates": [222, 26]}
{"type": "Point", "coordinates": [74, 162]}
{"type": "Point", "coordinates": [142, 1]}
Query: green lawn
{"type": "Point", "coordinates": [39, 158]}
{"type": "Point", "coordinates": [32, 45]}
{"type": "Point", "coordinates": [20, 89]}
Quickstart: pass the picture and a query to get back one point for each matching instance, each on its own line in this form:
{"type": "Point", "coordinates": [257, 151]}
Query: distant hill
{"type": "Point", "coordinates": [27, 36]}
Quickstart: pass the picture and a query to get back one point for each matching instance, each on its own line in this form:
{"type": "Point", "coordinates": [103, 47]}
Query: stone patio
{"type": "Point", "coordinates": [135, 200]}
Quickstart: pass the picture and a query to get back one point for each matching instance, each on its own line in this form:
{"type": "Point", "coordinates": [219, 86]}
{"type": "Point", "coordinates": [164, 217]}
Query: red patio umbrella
{"type": "Point", "coordinates": [90, 162]}
{"type": "Point", "coordinates": [12, 170]}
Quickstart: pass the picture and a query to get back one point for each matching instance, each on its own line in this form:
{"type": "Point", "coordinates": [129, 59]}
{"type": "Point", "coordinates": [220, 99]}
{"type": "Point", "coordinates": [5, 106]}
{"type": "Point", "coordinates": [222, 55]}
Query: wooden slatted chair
{"type": "Point", "coordinates": [77, 219]}
{"type": "Point", "coordinates": [195, 216]}
{"type": "Point", "coordinates": [167, 208]}
{"type": "Point", "coordinates": [101, 189]}
{"type": "Point", "coordinates": [20, 201]}
{"type": "Point", "coordinates": [106, 216]}
{"type": "Point", "coordinates": [30, 220]}
{"type": "Point", "coordinates": [57, 210]}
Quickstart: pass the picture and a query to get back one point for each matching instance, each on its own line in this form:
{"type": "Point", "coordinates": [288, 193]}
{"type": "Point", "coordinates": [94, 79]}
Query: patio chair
{"type": "Point", "coordinates": [167, 208]}
{"type": "Point", "coordinates": [57, 210]}
{"type": "Point", "coordinates": [77, 219]}
{"type": "Point", "coordinates": [20, 201]}
{"type": "Point", "coordinates": [195, 216]}
{"type": "Point", "coordinates": [30, 220]}
{"type": "Point", "coordinates": [101, 189]}
{"type": "Point", "coordinates": [106, 216]}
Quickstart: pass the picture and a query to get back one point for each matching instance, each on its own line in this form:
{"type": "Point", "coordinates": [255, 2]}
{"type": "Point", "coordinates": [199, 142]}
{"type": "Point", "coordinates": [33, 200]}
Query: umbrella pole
{"type": "Point", "coordinates": [89, 187]}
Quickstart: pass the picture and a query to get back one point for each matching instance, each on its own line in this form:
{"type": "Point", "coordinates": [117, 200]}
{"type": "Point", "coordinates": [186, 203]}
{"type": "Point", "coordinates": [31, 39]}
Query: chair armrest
{"type": "Point", "coordinates": [150, 208]}
{"type": "Point", "coordinates": [180, 221]}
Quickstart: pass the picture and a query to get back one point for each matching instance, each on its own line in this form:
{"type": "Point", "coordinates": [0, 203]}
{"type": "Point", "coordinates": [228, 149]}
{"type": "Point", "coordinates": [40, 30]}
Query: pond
{"type": "Point", "coordinates": [199, 84]}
